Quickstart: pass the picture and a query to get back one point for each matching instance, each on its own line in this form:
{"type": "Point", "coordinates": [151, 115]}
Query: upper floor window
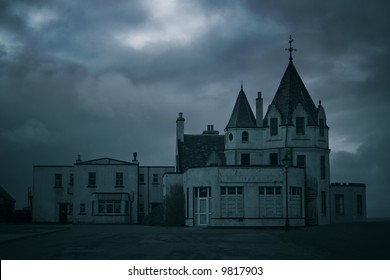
{"type": "Point", "coordinates": [92, 179]}
{"type": "Point", "coordinates": [155, 178]}
{"type": "Point", "coordinates": [141, 178]}
{"type": "Point", "coordinates": [274, 126]}
{"type": "Point", "coordinates": [301, 160]}
{"type": "Point", "coordinates": [245, 159]}
{"type": "Point", "coordinates": [300, 125]}
{"type": "Point", "coordinates": [119, 179]}
{"type": "Point", "coordinates": [71, 179]}
{"type": "Point", "coordinates": [245, 137]}
{"type": "Point", "coordinates": [273, 159]}
{"type": "Point", "coordinates": [322, 127]}
{"type": "Point", "coordinates": [58, 180]}
{"type": "Point", "coordinates": [322, 167]}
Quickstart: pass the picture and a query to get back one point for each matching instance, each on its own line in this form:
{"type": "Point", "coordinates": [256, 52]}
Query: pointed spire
{"type": "Point", "coordinates": [290, 93]}
{"type": "Point", "coordinates": [242, 115]}
{"type": "Point", "coordinates": [242, 85]}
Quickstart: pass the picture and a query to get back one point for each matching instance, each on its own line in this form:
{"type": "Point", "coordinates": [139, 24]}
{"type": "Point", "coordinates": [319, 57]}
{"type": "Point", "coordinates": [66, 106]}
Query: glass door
{"type": "Point", "coordinates": [202, 206]}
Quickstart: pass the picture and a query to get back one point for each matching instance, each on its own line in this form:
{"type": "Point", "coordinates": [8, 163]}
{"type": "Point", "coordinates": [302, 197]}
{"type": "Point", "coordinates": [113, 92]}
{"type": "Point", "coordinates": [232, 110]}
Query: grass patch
{"type": "Point", "coordinates": [355, 241]}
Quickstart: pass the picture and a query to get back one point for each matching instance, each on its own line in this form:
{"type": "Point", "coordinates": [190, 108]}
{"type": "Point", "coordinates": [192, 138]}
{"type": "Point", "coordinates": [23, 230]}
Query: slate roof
{"type": "Point", "coordinates": [242, 115]}
{"type": "Point", "coordinates": [290, 93]}
{"type": "Point", "coordinates": [197, 150]}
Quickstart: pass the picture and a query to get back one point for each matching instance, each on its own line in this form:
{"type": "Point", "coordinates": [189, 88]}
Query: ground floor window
{"type": "Point", "coordinates": [232, 202]}
{"type": "Point", "coordinates": [359, 204]}
{"type": "Point", "coordinates": [339, 202]}
{"type": "Point", "coordinates": [82, 208]}
{"type": "Point", "coordinates": [111, 204]}
{"type": "Point", "coordinates": [323, 203]}
{"type": "Point", "coordinates": [295, 202]}
{"type": "Point", "coordinates": [270, 202]}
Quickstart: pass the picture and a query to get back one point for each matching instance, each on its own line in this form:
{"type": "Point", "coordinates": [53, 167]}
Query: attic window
{"type": "Point", "coordinates": [300, 125]}
{"type": "Point", "coordinates": [230, 136]}
{"type": "Point", "coordinates": [245, 137]}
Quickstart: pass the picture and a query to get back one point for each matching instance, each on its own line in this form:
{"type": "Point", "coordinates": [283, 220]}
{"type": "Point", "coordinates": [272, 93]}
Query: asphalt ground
{"type": "Point", "coordinates": [133, 242]}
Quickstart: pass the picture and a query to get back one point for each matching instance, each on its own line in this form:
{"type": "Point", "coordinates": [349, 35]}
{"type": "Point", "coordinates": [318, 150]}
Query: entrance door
{"type": "Point", "coordinates": [202, 196]}
{"type": "Point", "coordinates": [63, 218]}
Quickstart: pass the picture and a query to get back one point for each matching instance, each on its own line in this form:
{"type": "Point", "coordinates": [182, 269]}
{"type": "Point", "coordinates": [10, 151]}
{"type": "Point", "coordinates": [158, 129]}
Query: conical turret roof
{"type": "Point", "coordinates": [242, 115]}
{"type": "Point", "coordinates": [290, 93]}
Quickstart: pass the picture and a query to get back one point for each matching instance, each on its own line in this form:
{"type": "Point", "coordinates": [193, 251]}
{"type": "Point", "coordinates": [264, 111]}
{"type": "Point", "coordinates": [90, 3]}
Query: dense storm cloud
{"type": "Point", "coordinates": [101, 78]}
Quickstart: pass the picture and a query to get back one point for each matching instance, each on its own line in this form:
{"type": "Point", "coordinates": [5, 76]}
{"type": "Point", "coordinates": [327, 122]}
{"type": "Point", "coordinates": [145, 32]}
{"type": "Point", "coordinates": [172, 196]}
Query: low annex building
{"type": "Point", "coordinates": [102, 191]}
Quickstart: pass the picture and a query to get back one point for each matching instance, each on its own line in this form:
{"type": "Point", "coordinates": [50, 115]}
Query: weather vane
{"type": "Point", "coordinates": [290, 49]}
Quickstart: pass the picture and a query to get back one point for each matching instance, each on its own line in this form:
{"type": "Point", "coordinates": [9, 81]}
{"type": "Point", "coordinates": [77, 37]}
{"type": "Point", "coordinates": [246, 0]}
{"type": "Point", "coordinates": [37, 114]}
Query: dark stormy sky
{"type": "Point", "coordinates": [107, 78]}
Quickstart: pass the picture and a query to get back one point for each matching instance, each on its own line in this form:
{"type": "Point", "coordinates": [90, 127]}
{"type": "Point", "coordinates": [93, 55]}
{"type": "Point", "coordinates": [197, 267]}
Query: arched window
{"type": "Point", "coordinates": [245, 137]}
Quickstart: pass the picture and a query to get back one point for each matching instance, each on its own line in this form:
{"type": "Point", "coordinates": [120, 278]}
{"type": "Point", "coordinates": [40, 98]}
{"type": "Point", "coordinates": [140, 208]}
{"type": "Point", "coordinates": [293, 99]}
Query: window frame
{"type": "Point", "coordinates": [322, 127]}
{"type": "Point", "coordinates": [274, 159]}
{"type": "Point", "coordinates": [301, 159]}
{"type": "Point", "coordinates": [339, 204]}
{"type": "Point", "coordinates": [82, 209]}
{"type": "Point", "coordinates": [323, 203]}
{"type": "Point", "coordinates": [58, 180]}
{"type": "Point", "coordinates": [119, 179]}
{"type": "Point", "coordinates": [92, 179]}
{"type": "Point", "coordinates": [232, 196]}
{"type": "Point", "coordinates": [300, 126]}
{"type": "Point", "coordinates": [245, 159]}
{"type": "Point", "coordinates": [155, 179]}
{"type": "Point", "coordinates": [274, 129]}
{"type": "Point", "coordinates": [245, 137]}
{"type": "Point", "coordinates": [359, 202]}
{"type": "Point", "coordinates": [322, 168]}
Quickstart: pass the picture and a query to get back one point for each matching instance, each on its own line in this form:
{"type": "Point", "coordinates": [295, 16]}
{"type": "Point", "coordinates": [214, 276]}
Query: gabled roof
{"type": "Point", "coordinates": [242, 115]}
{"type": "Point", "coordinates": [197, 150]}
{"type": "Point", "coordinates": [290, 93]}
{"type": "Point", "coordinates": [104, 161]}
{"type": "Point", "coordinates": [4, 194]}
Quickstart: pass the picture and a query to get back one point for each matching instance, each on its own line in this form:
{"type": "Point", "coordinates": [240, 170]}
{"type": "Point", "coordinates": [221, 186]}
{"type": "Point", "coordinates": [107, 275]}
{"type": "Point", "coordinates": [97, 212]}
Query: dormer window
{"type": "Point", "coordinates": [300, 125]}
{"type": "Point", "coordinates": [245, 137]}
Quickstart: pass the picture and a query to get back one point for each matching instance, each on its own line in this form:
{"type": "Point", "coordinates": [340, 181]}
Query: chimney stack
{"type": "Point", "coordinates": [259, 110]}
{"type": "Point", "coordinates": [180, 128]}
{"type": "Point", "coordinates": [78, 160]}
{"type": "Point", "coordinates": [135, 158]}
